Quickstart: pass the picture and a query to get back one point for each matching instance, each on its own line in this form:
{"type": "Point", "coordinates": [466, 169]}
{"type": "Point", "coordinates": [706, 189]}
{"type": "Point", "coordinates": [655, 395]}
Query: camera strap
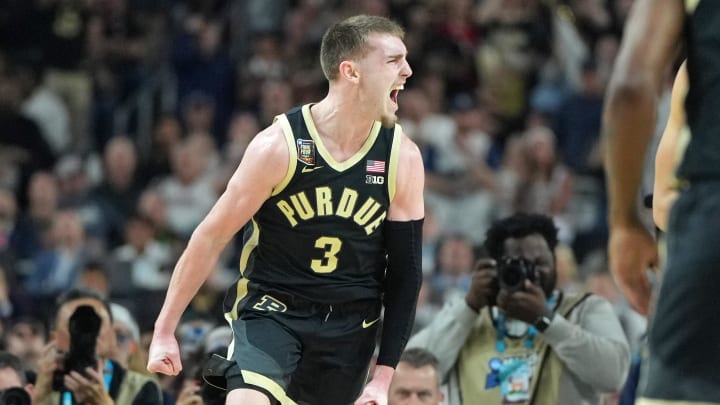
{"type": "Point", "coordinates": [108, 374]}
{"type": "Point", "coordinates": [67, 398]}
{"type": "Point", "coordinates": [501, 329]}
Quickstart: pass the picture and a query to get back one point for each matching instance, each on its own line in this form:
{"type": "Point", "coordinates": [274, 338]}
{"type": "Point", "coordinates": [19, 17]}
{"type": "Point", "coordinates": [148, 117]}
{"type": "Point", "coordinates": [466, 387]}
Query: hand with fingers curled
{"type": "Point", "coordinates": [164, 355]}
{"type": "Point", "coordinates": [483, 286]}
{"type": "Point", "coordinates": [527, 304]}
{"type": "Point", "coordinates": [49, 361]}
{"type": "Point", "coordinates": [88, 388]}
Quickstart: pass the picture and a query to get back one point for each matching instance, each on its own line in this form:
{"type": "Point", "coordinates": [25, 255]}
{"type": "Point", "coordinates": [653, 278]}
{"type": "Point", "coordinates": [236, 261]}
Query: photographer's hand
{"type": "Point", "coordinates": [47, 364]}
{"type": "Point", "coordinates": [189, 395]}
{"type": "Point", "coordinates": [525, 305]}
{"type": "Point", "coordinates": [89, 389]}
{"type": "Point", "coordinates": [483, 287]}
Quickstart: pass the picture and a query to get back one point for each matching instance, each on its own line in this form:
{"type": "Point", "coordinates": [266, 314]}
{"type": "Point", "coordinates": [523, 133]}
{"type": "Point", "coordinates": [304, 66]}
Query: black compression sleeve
{"type": "Point", "coordinates": [403, 278]}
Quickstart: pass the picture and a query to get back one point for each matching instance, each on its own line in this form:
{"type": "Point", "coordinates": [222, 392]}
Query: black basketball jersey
{"type": "Point", "coordinates": [319, 236]}
{"type": "Point", "coordinates": [701, 159]}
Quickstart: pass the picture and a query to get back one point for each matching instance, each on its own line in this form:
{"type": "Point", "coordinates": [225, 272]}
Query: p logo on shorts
{"type": "Point", "coordinates": [269, 303]}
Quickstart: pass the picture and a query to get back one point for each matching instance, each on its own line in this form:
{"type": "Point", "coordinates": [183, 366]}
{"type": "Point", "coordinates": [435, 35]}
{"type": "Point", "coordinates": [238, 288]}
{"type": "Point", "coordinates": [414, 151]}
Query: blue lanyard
{"type": "Point", "coordinates": [67, 398]}
{"type": "Point", "coordinates": [501, 329]}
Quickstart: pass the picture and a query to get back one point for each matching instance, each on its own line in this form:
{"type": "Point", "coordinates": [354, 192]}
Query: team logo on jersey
{"type": "Point", "coordinates": [269, 303]}
{"type": "Point", "coordinates": [370, 179]}
{"type": "Point", "coordinates": [306, 151]}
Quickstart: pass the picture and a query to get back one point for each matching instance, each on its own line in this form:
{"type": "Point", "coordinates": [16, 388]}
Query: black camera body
{"type": "Point", "coordinates": [84, 327]}
{"type": "Point", "coordinates": [512, 272]}
{"type": "Point", "coordinates": [14, 396]}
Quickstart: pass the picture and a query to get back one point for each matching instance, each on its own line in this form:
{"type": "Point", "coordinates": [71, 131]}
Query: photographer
{"type": "Point", "coordinates": [76, 366]}
{"type": "Point", "coordinates": [516, 339]}
{"type": "Point", "coordinates": [14, 387]}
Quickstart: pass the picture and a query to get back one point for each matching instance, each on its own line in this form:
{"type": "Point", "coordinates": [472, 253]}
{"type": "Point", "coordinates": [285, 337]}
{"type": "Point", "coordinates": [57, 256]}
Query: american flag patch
{"type": "Point", "coordinates": [375, 166]}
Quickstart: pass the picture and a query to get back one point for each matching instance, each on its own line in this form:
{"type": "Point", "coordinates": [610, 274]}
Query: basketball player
{"type": "Point", "coordinates": [330, 197]}
{"type": "Point", "coordinates": [684, 334]}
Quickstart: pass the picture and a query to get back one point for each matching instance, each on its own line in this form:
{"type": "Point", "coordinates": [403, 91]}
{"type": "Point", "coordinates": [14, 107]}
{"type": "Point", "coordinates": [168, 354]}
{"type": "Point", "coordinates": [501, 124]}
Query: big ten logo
{"type": "Point", "coordinates": [268, 303]}
{"type": "Point", "coordinates": [370, 179]}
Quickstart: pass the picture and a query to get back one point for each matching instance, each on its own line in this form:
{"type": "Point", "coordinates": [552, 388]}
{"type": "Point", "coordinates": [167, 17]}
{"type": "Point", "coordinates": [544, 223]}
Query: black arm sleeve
{"type": "Point", "coordinates": [403, 278]}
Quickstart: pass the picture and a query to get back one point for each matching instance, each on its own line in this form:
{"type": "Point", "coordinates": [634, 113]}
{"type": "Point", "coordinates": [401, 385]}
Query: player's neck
{"type": "Point", "coordinates": [338, 118]}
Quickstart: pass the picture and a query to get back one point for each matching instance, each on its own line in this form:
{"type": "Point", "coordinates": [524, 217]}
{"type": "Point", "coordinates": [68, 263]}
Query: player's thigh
{"type": "Point", "coordinates": [264, 353]}
{"type": "Point", "coordinates": [334, 368]}
{"type": "Point", "coordinates": [247, 397]}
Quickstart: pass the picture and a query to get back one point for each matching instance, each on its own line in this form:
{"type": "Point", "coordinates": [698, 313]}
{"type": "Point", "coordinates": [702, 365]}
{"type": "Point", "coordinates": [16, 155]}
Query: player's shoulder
{"type": "Point", "coordinates": [272, 140]}
{"type": "Point", "coordinates": [409, 150]}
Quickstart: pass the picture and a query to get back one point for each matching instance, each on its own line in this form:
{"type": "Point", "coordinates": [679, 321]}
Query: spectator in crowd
{"type": "Point", "coordinates": [548, 187]}
{"type": "Point", "coordinates": [23, 150]}
{"type": "Point", "coordinates": [58, 268]}
{"type": "Point", "coordinates": [7, 307]}
{"type": "Point", "coordinates": [453, 264]}
{"type": "Point", "coordinates": [96, 215]}
{"type": "Point", "coordinates": [31, 233]}
{"type": "Point", "coordinates": [523, 339]}
{"type": "Point", "coordinates": [8, 219]}
{"type": "Point", "coordinates": [13, 376]}
{"type": "Point", "coordinates": [416, 380]}
{"type": "Point", "coordinates": [460, 184]}
{"type": "Point", "coordinates": [26, 339]}
{"type": "Point", "coordinates": [120, 187]}
{"type": "Point", "coordinates": [127, 334]}
{"type": "Point", "coordinates": [187, 192]}
{"type": "Point", "coordinates": [106, 383]}
{"type": "Point", "coordinates": [45, 108]}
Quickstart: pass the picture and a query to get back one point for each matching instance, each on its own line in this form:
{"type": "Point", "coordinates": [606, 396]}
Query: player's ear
{"type": "Point", "coordinates": [349, 71]}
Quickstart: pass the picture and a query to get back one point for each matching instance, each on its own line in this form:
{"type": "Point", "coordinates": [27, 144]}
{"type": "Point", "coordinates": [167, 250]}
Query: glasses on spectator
{"type": "Point", "coordinates": [123, 337]}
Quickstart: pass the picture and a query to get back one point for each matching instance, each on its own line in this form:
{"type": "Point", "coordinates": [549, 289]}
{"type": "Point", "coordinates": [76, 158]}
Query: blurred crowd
{"type": "Point", "coordinates": [122, 120]}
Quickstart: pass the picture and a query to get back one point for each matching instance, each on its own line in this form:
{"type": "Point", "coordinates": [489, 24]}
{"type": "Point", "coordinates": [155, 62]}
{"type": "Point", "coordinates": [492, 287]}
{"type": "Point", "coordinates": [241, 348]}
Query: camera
{"type": "Point", "coordinates": [513, 271]}
{"type": "Point", "coordinates": [84, 327]}
{"type": "Point", "coordinates": [14, 396]}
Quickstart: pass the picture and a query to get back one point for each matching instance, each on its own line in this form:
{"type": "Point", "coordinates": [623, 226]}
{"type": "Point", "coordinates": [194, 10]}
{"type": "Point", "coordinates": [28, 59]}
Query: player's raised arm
{"type": "Point", "coordinates": [264, 165]}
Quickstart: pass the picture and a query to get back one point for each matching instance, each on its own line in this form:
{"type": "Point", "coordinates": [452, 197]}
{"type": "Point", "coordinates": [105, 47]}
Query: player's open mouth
{"type": "Point", "coordinates": [394, 93]}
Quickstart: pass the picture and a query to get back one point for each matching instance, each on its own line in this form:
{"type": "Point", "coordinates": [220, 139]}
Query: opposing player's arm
{"type": "Point", "coordinates": [650, 43]}
{"type": "Point", "coordinates": [666, 159]}
{"type": "Point", "coordinates": [264, 165]}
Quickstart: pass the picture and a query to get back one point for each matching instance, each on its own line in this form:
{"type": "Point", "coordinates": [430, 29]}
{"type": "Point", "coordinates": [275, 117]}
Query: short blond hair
{"type": "Point", "coordinates": [347, 39]}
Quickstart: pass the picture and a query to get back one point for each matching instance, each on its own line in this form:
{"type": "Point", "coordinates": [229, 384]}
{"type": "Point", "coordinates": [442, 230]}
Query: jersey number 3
{"type": "Point", "coordinates": [331, 245]}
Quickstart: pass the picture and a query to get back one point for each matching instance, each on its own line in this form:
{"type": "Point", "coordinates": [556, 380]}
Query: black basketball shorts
{"type": "Point", "coordinates": [684, 336]}
{"type": "Point", "coordinates": [298, 352]}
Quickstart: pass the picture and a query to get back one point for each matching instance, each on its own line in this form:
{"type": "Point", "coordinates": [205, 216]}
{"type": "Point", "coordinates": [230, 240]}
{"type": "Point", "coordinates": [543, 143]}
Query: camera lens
{"type": "Point", "coordinates": [513, 275]}
{"type": "Point", "coordinates": [513, 272]}
{"type": "Point", "coordinates": [14, 396]}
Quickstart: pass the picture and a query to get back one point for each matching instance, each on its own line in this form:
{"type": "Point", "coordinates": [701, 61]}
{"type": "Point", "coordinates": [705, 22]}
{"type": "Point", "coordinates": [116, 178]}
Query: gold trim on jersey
{"type": "Point", "coordinates": [646, 401]}
{"type": "Point", "coordinates": [271, 386]}
{"type": "Point", "coordinates": [249, 246]}
{"type": "Point", "coordinates": [292, 164]}
{"type": "Point", "coordinates": [229, 317]}
{"type": "Point", "coordinates": [393, 164]}
{"type": "Point", "coordinates": [241, 291]}
{"type": "Point", "coordinates": [691, 5]}
{"type": "Point", "coordinates": [338, 166]}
